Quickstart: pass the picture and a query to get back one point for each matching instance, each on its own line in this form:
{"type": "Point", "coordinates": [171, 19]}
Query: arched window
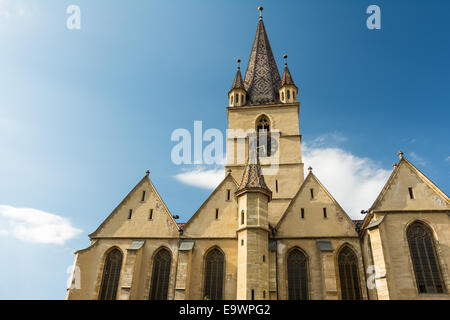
{"type": "Point", "coordinates": [297, 266]}
{"type": "Point", "coordinates": [289, 94]}
{"type": "Point", "coordinates": [214, 275]}
{"type": "Point", "coordinates": [263, 136]}
{"type": "Point", "coordinates": [282, 96]}
{"type": "Point", "coordinates": [160, 275]}
{"type": "Point", "coordinates": [242, 217]}
{"type": "Point", "coordinates": [424, 259]}
{"type": "Point", "coordinates": [111, 275]}
{"type": "Point", "coordinates": [348, 274]}
{"type": "Point", "coordinates": [293, 95]}
{"type": "Point", "coordinates": [237, 98]}
{"type": "Point", "coordinates": [231, 99]}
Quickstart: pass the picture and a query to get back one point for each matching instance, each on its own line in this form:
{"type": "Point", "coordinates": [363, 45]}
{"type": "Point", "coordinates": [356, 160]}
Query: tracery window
{"type": "Point", "coordinates": [424, 258]}
{"type": "Point", "coordinates": [348, 274]}
{"type": "Point", "coordinates": [214, 275]}
{"type": "Point", "coordinates": [297, 266]}
{"type": "Point", "coordinates": [111, 275]}
{"type": "Point", "coordinates": [160, 275]}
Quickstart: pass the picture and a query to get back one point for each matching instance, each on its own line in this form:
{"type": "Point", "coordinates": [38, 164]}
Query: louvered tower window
{"type": "Point", "coordinates": [160, 275]}
{"type": "Point", "coordinates": [214, 275]}
{"type": "Point", "coordinates": [263, 136]}
{"type": "Point", "coordinates": [111, 275]}
{"type": "Point", "coordinates": [348, 274]}
{"type": "Point", "coordinates": [297, 275]}
{"type": "Point", "coordinates": [424, 258]}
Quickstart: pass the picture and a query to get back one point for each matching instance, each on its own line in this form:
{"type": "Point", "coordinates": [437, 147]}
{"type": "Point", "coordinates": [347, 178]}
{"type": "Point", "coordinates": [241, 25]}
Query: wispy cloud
{"type": "Point", "coordinates": [447, 159]}
{"type": "Point", "coordinates": [202, 177]}
{"type": "Point", "coordinates": [35, 226]}
{"type": "Point", "coordinates": [16, 9]}
{"type": "Point", "coordinates": [326, 139]}
{"type": "Point", "coordinates": [417, 159]}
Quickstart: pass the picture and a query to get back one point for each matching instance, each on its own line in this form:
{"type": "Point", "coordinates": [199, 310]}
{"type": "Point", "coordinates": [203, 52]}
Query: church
{"type": "Point", "coordinates": [270, 230]}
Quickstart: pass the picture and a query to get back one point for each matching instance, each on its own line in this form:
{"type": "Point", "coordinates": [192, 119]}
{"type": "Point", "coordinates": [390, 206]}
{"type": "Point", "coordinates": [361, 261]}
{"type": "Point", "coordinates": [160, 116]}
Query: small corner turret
{"type": "Point", "coordinates": [237, 95]}
{"type": "Point", "coordinates": [288, 90]}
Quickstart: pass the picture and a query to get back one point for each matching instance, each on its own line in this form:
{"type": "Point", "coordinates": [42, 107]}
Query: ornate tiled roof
{"type": "Point", "coordinates": [262, 79]}
{"type": "Point", "coordinates": [253, 177]}
{"type": "Point", "coordinates": [286, 78]}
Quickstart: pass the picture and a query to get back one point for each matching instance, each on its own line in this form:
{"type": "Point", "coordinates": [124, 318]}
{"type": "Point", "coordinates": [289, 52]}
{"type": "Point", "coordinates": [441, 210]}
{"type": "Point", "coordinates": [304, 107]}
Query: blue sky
{"type": "Point", "coordinates": [84, 113]}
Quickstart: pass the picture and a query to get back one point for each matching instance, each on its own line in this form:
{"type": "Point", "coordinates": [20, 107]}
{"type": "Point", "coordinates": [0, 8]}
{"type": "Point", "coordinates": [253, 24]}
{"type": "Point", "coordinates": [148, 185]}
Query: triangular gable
{"type": "Point", "coordinates": [204, 223]}
{"type": "Point", "coordinates": [337, 223]}
{"type": "Point", "coordinates": [161, 224]}
{"type": "Point", "coordinates": [395, 195]}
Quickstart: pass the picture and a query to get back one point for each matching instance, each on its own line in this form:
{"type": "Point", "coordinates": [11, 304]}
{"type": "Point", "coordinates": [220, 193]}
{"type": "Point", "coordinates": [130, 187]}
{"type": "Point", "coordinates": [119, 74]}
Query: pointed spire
{"type": "Point", "coordinates": [286, 78]}
{"type": "Point", "coordinates": [262, 78]}
{"type": "Point", "coordinates": [253, 177]}
{"type": "Point", "coordinates": [238, 83]}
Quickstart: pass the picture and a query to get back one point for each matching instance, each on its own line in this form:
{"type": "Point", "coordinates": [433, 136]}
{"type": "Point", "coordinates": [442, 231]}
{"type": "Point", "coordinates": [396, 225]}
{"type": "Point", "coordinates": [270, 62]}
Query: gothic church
{"type": "Point", "coordinates": [268, 233]}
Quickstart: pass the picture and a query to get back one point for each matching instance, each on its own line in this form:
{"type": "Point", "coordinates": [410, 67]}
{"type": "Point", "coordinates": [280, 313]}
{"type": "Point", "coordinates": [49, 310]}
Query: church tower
{"type": "Point", "coordinates": [253, 197]}
{"type": "Point", "coordinates": [265, 105]}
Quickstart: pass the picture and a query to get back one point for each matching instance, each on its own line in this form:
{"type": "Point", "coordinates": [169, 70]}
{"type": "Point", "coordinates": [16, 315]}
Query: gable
{"type": "Point", "coordinates": [204, 223]}
{"type": "Point", "coordinates": [396, 196]}
{"type": "Point", "coordinates": [337, 222]}
{"type": "Point", "coordinates": [118, 224]}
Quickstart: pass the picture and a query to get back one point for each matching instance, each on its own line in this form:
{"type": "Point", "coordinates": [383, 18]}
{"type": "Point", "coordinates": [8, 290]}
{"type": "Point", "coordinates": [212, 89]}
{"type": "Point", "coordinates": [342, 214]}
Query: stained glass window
{"type": "Point", "coordinates": [111, 275]}
{"type": "Point", "coordinates": [297, 275]}
{"type": "Point", "coordinates": [214, 275]}
{"type": "Point", "coordinates": [160, 275]}
{"type": "Point", "coordinates": [424, 259]}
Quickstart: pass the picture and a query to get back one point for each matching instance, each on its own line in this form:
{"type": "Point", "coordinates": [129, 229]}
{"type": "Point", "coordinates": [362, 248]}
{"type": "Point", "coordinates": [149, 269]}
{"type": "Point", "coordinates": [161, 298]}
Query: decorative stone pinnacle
{"type": "Point", "coordinates": [394, 164]}
{"type": "Point", "coordinates": [400, 154]}
{"type": "Point", "coordinates": [239, 63]}
{"type": "Point", "coordinates": [285, 59]}
{"type": "Point", "coordinates": [147, 172]}
{"type": "Point", "coordinates": [229, 171]}
{"type": "Point", "coordinates": [260, 9]}
{"type": "Point", "coordinates": [310, 169]}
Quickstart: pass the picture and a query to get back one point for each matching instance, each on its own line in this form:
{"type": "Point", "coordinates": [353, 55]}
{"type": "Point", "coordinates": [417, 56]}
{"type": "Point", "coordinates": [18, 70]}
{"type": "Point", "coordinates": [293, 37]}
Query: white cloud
{"type": "Point", "coordinates": [353, 181]}
{"type": "Point", "coordinates": [447, 159]}
{"type": "Point", "coordinates": [202, 177]}
{"type": "Point", "coordinates": [36, 226]}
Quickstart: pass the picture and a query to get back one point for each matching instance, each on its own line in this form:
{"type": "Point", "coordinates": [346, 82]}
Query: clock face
{"type": "Point", "coordinates": [266, 145]}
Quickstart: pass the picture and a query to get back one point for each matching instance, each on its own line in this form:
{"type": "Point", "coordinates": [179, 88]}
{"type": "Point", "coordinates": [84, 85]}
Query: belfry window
{"type": "Point", "coordinates": [289, 94]}
{"type": "Point", "coordinates": [263, 137]}
{"type": "Point", "coordinates": [425, 259]}
{"type": "Point", "coordinates": [348, 274]}
{"type": "Point", "coordinates": [282, 96]}
{"type": "Point", "coordinates": [111, 275]}
{"type": "Point", "coordinates": [237, 98]}
{"type": "Point", "coordinates": [214, 275]}
{"type": "Point", "coordinates": [293, 94]}
{"type": "Point", "coordinates": [160, 275]}
{"type": "Point", "coordinates": [411, 193]}
{"type": "Point", "coordinates": [297, 266]}
{"type": "Point", "coordinates": [231, 99]}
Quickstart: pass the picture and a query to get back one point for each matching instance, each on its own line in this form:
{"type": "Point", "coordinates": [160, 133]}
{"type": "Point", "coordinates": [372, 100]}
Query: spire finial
{"type": "Point", "coordinates": [239, 64]}
{"type": "Point", "coordinates": [394, 165]}
{"type": "Point", "coordinates": [147, 172]}
{"type": "Point", "coordinates": [400, 154]}
{"type": "Point", "coordinates": [260, 9]}
{"type": "Point", "coordinates": [310, 169]}
{"type": "Point", "coordinates": [285, 59]}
